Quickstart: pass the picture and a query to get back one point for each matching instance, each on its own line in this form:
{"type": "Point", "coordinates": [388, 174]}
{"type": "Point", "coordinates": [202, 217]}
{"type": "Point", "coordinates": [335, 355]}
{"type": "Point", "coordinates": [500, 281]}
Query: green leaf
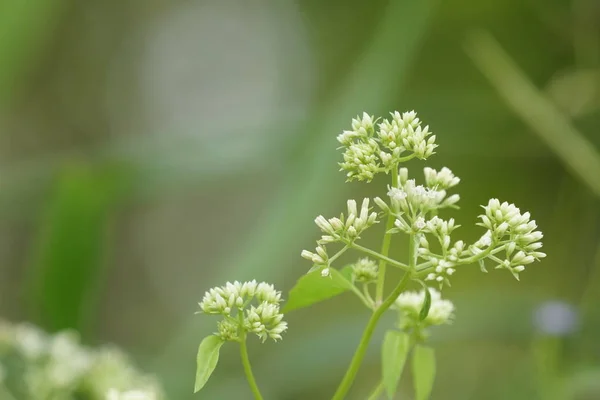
{"type": "Point", "coordinates": [206, 361]}
{"type": "Point", "coordinates": [423, 369]}
{"type": "Point", "coordinates": [426, 305]}
{"type": "Point", "coordinates": [394, 351]}
{"type": "Point", "coordinates": [313, 288]}
{"type": "Point", "coordinates": [69, 254]}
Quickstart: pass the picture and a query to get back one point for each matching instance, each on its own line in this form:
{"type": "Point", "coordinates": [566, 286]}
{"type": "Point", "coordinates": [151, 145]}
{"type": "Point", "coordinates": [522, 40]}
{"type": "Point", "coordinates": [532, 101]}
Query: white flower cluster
{"type": "Point", "coordinates": [369, 151]}
{"type": "Point", "coordinates": [57, 366]}
{"type": "Point", "coordinates": [233, 299]}
{"type": "Point", "coordinates": [410, 305]}
{"type": "Point", "coordinates": [507, 226]}
{"type": "Point", "coordinates": [340, 230]}
{"type": "Point", "coordinates": [443, 179]}
{"type": "Point", "coordinates": [507, 229]}
{"type": "Point", "coordinates": [364, 270]}
{"type": "Point", "coordinates": [411, 202]}
{"type": "Point", "coordinates": [443, 267]}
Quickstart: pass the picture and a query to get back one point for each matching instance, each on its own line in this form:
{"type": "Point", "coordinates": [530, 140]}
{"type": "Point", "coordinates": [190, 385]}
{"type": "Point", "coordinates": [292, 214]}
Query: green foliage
{"type": "Point", "coordinates": [426, 304]}
{"type": "Point", "coordinates": [69, 251]}
{"type": "Point", "coordinates": [393, 357]}
{"type": "Point", "coordinates": [207, 359]}
{"type": "Point", "coordinates": [313, 288]}
{"type": "Point", "coordinates": [423, 369]}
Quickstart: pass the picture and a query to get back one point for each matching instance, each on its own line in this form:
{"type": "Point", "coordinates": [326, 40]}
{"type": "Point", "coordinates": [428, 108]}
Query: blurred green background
{"type": "Point", "coordinates": [150, 150]}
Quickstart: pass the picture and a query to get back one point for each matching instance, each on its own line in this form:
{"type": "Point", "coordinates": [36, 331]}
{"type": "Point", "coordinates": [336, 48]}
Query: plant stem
{"type": "Point", "coordinates": [377, 392]}
{"type": "Point", "coordinates": [248, 368]}
{"type": "Point", "coordinates": [381, 257]}
{"type": "Point", "coordinates": [424, 267]}
{"type": "Point", "coordinates": [385, 246]}
{"type": "Point", "coordinates": [339, 253]}
{"type": "Point", "coordinates": [359, 355]}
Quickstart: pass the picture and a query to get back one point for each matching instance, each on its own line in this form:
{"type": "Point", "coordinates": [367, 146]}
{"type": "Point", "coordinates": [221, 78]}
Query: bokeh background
{"type": "Point", "coordinates": [150, 150]}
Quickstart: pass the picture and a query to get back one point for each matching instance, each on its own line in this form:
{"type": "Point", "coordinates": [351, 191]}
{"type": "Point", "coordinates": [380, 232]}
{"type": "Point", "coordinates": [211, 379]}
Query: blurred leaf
{"type": "Point", "coordinates": [207, 359]}
{"type": "Point", "coordinates": [423, 369]}
{"type": "Point", "coordinates": [313, 288]}
{"type": "Point", "coordinates": [25, 30]}
{"type": "Point", "coordinates": [394, 351]}
{"type": "Point", "coordinates": [67, 257]}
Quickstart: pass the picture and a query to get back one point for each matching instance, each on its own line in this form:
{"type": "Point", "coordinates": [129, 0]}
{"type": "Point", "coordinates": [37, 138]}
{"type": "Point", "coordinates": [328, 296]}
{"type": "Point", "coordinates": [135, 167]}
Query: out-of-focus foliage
{"type": "Point", "coordinates": [150, 150]}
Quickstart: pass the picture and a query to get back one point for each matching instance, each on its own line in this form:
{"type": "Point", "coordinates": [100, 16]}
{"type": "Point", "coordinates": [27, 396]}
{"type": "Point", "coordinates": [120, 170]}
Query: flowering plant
{"type": "Point", "coordinates": [36, 365]}
{"type": "Point", "coordinates": [372, 146]}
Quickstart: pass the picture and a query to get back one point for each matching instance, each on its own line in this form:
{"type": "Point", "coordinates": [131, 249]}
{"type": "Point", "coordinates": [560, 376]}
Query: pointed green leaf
{"type": "Point", "coordinates": [426, 305]}
{"type": "Point", "coordinates": [206, 361]}
{"type": "Point", "coordinates": [423, 369]}
{"type": "Point", "coordinates": [394, 351]}
{"type": "Point", "coordinates": [313, 288]}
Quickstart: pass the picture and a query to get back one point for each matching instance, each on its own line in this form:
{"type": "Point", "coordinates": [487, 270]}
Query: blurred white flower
{"type": "Point", "coordinates": [556, 318]}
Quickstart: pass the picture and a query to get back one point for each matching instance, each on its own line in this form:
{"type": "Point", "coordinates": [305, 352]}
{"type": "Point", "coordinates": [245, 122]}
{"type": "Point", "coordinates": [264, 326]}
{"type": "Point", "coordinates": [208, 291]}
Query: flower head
{"type": "Point", "coordinates": [369, 151]}
{"type": "Point", "coordinates": [364, 270]}
{"type": "Point", "coordinates": [234, 302]}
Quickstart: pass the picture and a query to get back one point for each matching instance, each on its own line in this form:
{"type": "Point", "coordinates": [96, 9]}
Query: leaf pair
{"type": "Point", "coordinates": [395, 349]}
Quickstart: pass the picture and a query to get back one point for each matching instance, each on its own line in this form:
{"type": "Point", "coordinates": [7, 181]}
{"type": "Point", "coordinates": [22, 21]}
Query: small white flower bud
{"type": "Point", "coordinates": [350, 220]}
{"type": "Point", "coordinates": [501, 229]}
{"type": "Point", "coordinates": [364, 210]}
{"type": "Point", "coordinates": [352, 232]}
{"type": "Point", "coordinates": [336, 224]}
{"type": "Point", "coordinates": [510, 248]}
{"type": "Point", "coordinates": [381, 204]}
{"type": "Point", "coordinates": [321, 251]}
{"type": "Point", "coordinates": [325, 272]}
{"type": "Point", "coordinates": [372, 218]}
{"type": "Point", "coordinates": [446, 241]}
{"type": "Point", "coordinates": [403, 176]}
{"type": "Point", "coordinates": [323, 224]}
{"type": "Point", "coordinates": [352, 208]}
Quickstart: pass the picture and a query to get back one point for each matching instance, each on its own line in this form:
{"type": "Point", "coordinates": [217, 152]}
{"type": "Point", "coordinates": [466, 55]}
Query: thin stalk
{"type": "Point", "coordinates": [385, 246]}
{"type": "Point", "coordinates": [380, 257]}
{"type": "Point", "coordinates": [339, 253]}
{"type": "Point", "coordinates": [359, 355]}
{"type": "Point", "coordinates": [424, 267]}
{"type": "Point", "coordinates": [246, 363]}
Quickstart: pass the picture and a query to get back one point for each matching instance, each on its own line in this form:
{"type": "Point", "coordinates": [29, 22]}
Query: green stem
{"type": "Point", "coordinates": [247, 366]}
{"type": "Point", "coordinates": [380, 257]}
{"type": "Point", "coordinates": [339, 253]}
{"type": "Point", "coordinates": [424, 267]}
{"type": "Point", "coordinates": [385, 246]}
{"type": "Point", "coordinates": [376, 392]}
{"type": "Point", "coordinates": [361, 350]}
